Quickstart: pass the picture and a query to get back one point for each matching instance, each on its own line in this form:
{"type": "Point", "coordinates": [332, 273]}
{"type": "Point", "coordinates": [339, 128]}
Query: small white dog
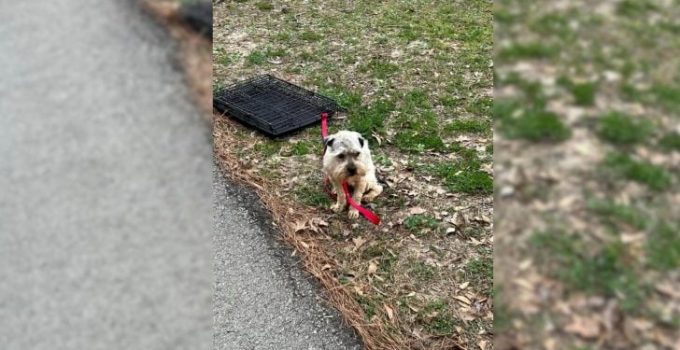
{"type": "Point", "coordinates": [347, 157]}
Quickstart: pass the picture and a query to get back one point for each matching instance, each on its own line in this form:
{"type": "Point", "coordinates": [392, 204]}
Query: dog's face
{"type": "Point", "coordinates": [345, 155]}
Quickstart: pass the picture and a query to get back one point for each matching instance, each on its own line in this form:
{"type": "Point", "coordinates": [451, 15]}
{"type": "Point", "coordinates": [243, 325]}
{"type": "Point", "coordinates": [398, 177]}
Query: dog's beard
{"type": "Point", "coordinates": [339, 171]}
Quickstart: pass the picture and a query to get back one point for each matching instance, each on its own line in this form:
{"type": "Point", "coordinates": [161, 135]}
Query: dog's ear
{"type": "Point", "coordinates": [328, 142]}
{"type": "Point", "coordinates": [361, 141]}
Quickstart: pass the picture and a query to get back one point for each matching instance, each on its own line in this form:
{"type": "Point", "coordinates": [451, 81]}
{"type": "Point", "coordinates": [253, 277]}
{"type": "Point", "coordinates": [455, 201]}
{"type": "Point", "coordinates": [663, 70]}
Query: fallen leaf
{"type": "Point", "coordinates": [417, 211]}
{"type": "Point", "coordinates": [358, 242]}
{"type": "Point", "coordinates": [464, 285]}
{"type": "Point", "coordinates": [462, 299]}
{"type": "Point", "coordinates": [326, 267]}
{"type": "Point", "coordinates": [390, 312]}
{"type": "Point", "coordinates": [482, 344]}
{"type": "Point", "coordinates": [584, 327]}
{"type": "Point", "coordinates": [372, 268]}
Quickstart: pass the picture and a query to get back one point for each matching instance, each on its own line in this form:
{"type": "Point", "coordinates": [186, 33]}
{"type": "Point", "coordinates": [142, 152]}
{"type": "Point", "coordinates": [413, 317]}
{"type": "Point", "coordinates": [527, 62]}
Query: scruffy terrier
{"type": "Point", "coordinates": [347, 157]}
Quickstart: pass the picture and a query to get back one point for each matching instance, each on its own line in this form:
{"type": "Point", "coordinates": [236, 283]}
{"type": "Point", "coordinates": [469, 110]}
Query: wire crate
{"type": "Point", "coordinates": [273, 106]}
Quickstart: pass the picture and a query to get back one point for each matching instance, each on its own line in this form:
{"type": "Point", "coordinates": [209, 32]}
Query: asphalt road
{"type": "Point", "coordinates": [106, 216]}
{"type": "Point", "coordinates": [263, 299]}
{"type": "Point", "coordinates": [105, 184]}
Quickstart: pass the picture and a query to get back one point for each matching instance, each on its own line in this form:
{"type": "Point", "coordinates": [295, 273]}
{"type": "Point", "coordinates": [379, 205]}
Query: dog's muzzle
{"type": "Point", "coordinates": [351, 170]}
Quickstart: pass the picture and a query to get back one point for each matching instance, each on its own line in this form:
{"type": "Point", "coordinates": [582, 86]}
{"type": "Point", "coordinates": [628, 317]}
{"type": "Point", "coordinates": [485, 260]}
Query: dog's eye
{"type": "Point", "coordinates": [341, 156]}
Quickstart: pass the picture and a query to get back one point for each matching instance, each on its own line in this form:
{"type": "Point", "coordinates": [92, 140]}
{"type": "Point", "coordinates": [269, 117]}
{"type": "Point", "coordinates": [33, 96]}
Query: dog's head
{"type": "Point", "coordinates": [343, 156]}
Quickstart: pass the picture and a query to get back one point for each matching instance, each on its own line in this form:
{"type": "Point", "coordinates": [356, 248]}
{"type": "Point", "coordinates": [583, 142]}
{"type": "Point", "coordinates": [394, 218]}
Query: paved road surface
{"type": "Point", "coordinates": [105, 184]}
{"type": "Point", "coordinates": [263, 300]}
{"type": "Point", "coordinates": [105, 201]}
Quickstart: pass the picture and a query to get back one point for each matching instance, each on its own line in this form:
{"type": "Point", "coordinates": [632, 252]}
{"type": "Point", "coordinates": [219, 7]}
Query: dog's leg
{"type": "Point", "coordinates": [373, 189]}
{"type": "Point", "coordinates": [359, 190]}
{"type": "Point", "coordinates": [341, 201]}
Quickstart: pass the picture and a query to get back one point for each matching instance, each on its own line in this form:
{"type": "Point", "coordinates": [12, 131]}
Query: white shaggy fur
{"type": "Point", "coordinates": [347, 157]}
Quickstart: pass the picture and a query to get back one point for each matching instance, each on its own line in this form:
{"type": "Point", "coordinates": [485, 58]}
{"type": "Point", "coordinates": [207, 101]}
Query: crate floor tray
{"type": "Point", "coordinates": [273, 106]}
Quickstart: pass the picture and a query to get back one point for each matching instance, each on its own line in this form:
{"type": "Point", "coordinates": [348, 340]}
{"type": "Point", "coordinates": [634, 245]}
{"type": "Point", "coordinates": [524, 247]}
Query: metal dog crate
{"type": "Point", "coordinates": [273, 106]}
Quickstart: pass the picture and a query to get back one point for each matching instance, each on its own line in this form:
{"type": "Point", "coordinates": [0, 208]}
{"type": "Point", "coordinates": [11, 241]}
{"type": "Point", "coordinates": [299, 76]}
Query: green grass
{"type": "Point", "coordinates": [301, 148]}
{"type": "Point", "coordinates": [443, 322]}
{"type": "Point", "coordinates": [614, 213]}
{"type": "Point", "coordinates": [634, 8]}
{"type": "Point", "coordinates": [464, 176]}
{"type": "Point", "coordinates": [418, 223]}
{"type": "Point", "coordinates": [264, 6]}
{"type": "Point", "coordinates": [310, 36]}
{"type": "Point", "coordinates": [623, 165]}
{"type": "Point", "coordinates": [663, 248]}
{"type": "Point", "coordinates": [312, 195]}
{"type": "Point", "coordinates": [380, 69]}
{"type": "Point", "coordinates": [268, 149]}
{"type": "Point", "coordinates": [416, 99]}
{"type": "Point", "coordinates": [607, 272]}
{"type": "Point", "coordinates": [227, 59]}
{"type": "Point", "coordinates": [480, 273]}
{"type": "Point", "coordinates": [480, 107]}
{"type": "Point", "coordinates": [418, 132]}
{"type": "Point", "coordinates": [527, 51]}
{"type": "Point", "coordinates": [369, 119]}
{"type": "Point", "coordinates": [422, 272]}
{"type": "Point", "coordinates": [468, 126]}
{"type": "Point", "coordinates": [670, 142]}
{"type": "Point", "coordinates": [621, 129]}
{"type": "Point", "coordinates": [347, 99]}
{"type": "Point", "coordinates": [536, 125]}
{"type": "Point", "coordinates": [256, 58]}
{"type": "Point", "coordinates": [583, 93]}
{"type": "Point", "coordinates": [260, 57]}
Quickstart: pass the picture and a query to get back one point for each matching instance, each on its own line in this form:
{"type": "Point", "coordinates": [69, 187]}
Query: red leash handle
{"type": "Point", "coordinates": [324, 125]}
{"type": "Point", "coordinates": [374, 219]}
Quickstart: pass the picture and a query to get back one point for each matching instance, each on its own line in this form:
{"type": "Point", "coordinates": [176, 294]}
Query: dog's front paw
{"type": "Point", "coordinates": [336, 207]}
{"type": "Point", "coordinates": [353, 213]}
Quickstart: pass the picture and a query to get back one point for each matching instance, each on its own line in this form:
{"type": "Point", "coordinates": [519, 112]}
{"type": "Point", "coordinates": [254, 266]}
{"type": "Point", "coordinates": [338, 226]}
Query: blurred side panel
{"type": "Point", "coordinates": [587, 153]}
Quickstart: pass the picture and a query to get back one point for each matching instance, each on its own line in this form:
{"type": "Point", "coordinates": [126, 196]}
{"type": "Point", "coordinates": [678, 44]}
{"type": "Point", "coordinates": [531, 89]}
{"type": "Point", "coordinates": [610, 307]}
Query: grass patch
{"type": "Point", "coordinates": [227, 59]}
{"type": "Point", "coordinates": [310, 36]}
{"type": "Point", "coordinates": [480, 107]}
{"type": "Point", "coordinates": [312, 196]}
{"type": "Point", "coordinates": [264, 6]}
{"type": "Point", "coordinates": [416, 99]}
{"type": "Point", "coordinates": [527, 51]}
{"type": "Point", "coordinates": [670, 142]}
{"type": "Point", "coordinates": [380, 69]}
{"type": "Point", "coordinates": [583, 93]}
{"type": "Point", "coordinates": [441, 321]}
{"type": "Point", "coordinates": [422, 272]}
{"type": "Point", "coordinates": [614, 213]}
{"type": "Point", "coordinates": [301, 148]}
{"type": "Point", "coordinates": [643, 172]}
{"type": "Point", "coordinates": [256, 58]}
{"type": "Point", "coordinates": [604, 272]}
{"type": "Point", "coordinates": [464, 176]}
{"type": "Point", "coordinates": [621, 129]}
{"type": "Point", "coordinates": [260, 57]}
{"type": "Point", "coordinates": [268, 149]}
{"type": "Point", "coordinates": [634, 8]}
{"type": "Point", "coordinates": [663, 248]}
{"type": "Point", "coordinates": [536, 125]}
{"type": "Point", "coordinates": [420, 223]}
{"type": "Point", "coordinates": [480, 273]}
{"type": "Point", "coordinates": [468, 126]}
{"type": "Point", "coordinates": [370, 119]}
{"type": "Point", "coordinates": [418, 133]}
{"type": "Point", "coordinates": [347, 99]}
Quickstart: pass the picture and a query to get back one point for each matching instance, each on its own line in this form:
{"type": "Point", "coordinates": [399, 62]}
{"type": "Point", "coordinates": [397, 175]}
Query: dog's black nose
{"type": "Point", "coordinates": [351, 169]}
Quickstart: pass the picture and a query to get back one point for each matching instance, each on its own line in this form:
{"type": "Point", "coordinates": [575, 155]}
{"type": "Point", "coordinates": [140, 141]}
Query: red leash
{"type": "Point", "coordinates": [369, 215]}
